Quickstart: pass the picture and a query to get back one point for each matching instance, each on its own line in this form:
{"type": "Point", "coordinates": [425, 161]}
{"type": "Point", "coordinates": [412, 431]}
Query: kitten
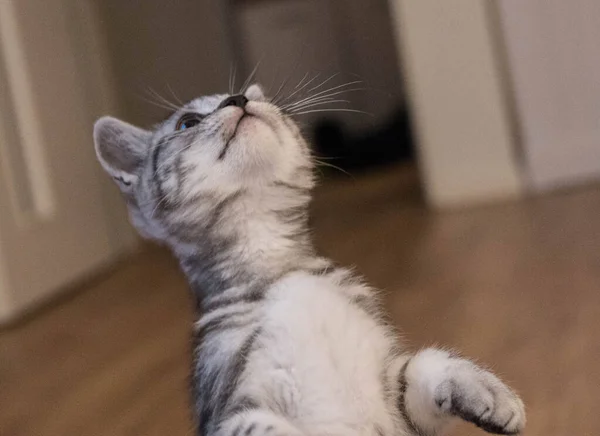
{"type": "Point", "coordinates": [287, 343]}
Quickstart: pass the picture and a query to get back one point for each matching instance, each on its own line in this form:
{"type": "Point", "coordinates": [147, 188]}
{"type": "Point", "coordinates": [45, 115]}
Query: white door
{"type": "Point", "coordinates": [59, 220]}
{"type": "Point", "coordinates": [554, 61]}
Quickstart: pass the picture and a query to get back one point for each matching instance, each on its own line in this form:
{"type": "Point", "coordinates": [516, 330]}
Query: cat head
{"type": "Point", "coordinates": [212, 149]}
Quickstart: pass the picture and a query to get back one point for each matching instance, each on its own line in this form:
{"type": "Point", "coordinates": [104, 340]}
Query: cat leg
{"type": "Point", "coordinates": [436, 387]}
{"type": "Point", "coordinates": [257, 422]}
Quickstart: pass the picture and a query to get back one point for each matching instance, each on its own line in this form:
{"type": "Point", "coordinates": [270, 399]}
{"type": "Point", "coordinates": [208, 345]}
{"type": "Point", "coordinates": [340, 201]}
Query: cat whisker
{"type": "Point", "coordinates": [274, 79]}
{"type": "Point", "coordinates": [324, 82]}
{"type": "Point", "coordinates": [312, 100]}
{"type": "Point", "coordinates": [157, 104]}
{"type": "Point", "coordinates": [162, 99]}
{"type": "Point", "coordinates": [231, 77]}
{"type": "Point", "coordinates": [300, 89]}
{"type": "Point", "coordinates": [320, 171]}
{"type": "Point", "coordinates": [234, 78]}
{"type": "Point", "coordinates": [321, 103]}
{"type": "Point", "coordinates": [320, 98]}
{"type": "Point", "coordinates": [299, 105]}
{"type": "Point", "coordinates": [302, 80]}
{"type": "Point", "coordinates": [296, 88]}
{"type": "Point", "coordinates": [275, 100]}
{"type": "Point", "coordinates": [326, 91]}
{"type": "Point", "coordinates": [315, 157]}
{"type": "Point", "coordinates": [250, 77]}
{"type": "Point", "coordinates": [177, 99]}
{"type": "Point", "coordinates": [328, 165]}
{"type": "Point", "coordinates": [315, 87]}
{"type": "Point", "coordinates": [334, 110]}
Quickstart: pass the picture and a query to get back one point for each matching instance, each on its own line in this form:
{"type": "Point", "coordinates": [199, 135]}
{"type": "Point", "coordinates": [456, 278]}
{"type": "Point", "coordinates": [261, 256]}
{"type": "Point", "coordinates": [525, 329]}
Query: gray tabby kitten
{"type": "Point", "coordinates": [287, 344]}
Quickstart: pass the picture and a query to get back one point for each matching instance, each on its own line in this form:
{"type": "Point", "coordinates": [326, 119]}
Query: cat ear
{"type": "Point", "coordinates": [255, 92]}
{"type": "Point", "coordinates": [121, 149]}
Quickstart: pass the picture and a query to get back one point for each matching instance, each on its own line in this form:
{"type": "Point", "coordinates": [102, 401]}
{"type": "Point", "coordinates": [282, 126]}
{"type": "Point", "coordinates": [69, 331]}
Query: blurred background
{"type": "Point", "coordinates": [467, 160]}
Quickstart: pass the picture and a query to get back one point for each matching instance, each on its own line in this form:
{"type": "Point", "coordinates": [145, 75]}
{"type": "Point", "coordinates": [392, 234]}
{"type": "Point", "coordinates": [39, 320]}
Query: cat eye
{"type": "Point", "coordinates": [188, 120]}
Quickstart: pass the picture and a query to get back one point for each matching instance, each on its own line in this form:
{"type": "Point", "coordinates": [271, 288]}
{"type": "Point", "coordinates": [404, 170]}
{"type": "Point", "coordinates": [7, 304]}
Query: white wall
{"type": "Point", "coordinates": [554, 60]}
{"type": "Point", "coordinates": [466, 146]}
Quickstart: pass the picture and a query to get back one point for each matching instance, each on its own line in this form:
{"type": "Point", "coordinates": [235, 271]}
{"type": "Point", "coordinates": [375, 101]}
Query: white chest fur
{"type": "Point", "coordinates": [322, 359]}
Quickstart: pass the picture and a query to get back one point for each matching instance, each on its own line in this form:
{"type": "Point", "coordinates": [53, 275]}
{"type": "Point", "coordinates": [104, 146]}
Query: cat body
{"type": "Point", "coordinates": [286, 342]}
{"type": "Point", "coordinates": [314, 354]}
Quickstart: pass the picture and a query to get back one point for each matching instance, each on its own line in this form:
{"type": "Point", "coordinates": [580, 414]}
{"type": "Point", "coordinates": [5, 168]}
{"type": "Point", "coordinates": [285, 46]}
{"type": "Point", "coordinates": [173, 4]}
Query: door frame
{"type": "Point", "coordinates": [28, 209]}
{"type": "Point", "coordinates": [456, 86]}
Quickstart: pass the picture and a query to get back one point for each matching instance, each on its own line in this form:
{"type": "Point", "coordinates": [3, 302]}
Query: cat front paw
{"type": "Point", "coordinates": [478, 396]}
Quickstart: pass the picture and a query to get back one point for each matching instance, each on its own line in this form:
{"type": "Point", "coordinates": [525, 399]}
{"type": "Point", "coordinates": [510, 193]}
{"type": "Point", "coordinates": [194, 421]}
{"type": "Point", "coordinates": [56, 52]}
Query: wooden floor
{"type": "Point", "coordinates": [516, 286]}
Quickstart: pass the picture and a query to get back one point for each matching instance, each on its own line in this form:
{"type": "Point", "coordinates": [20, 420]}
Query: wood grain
{"type": "Point", "coordinates": [514, 286]}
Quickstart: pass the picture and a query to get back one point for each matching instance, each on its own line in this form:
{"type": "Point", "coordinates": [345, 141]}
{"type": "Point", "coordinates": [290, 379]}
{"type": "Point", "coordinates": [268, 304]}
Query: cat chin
{"type": "Point", "coordinates": [257, 155]}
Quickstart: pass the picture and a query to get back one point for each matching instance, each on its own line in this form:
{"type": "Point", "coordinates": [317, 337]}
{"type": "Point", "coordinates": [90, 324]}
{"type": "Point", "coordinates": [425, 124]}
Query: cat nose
{"type": "Point", "coordinates": [235, 100]}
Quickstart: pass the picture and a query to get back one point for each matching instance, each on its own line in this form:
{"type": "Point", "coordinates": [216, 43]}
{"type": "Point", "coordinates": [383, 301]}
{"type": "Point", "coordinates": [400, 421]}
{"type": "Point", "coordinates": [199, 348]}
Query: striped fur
{"type": "Point", "coordinates": [286, 342]}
